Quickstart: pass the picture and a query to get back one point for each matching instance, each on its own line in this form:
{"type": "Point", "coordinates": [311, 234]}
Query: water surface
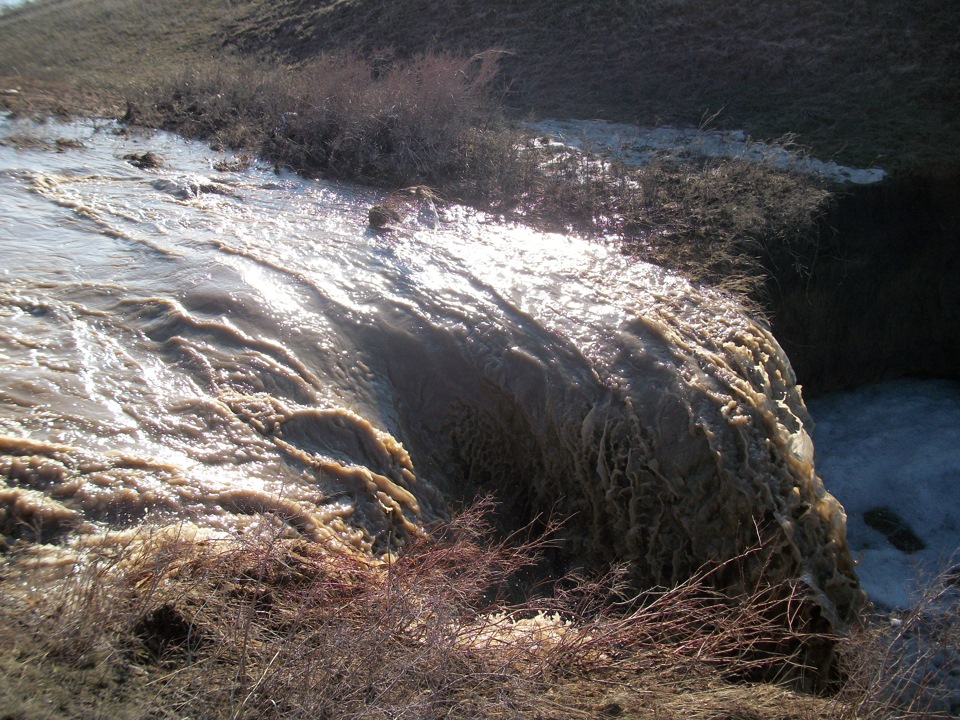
{"type": "Point", "coordinates": [217, 343]}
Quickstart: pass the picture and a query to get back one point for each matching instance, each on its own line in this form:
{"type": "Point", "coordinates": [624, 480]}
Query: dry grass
{"type": "Point", "coordinates": [907, 664]}
{"type": "Point", "coordinates": [163, 624]}
{"type": "Point", "coordinates": [729, 223]}
{"type": "Point", "coordinates": [341, 116]}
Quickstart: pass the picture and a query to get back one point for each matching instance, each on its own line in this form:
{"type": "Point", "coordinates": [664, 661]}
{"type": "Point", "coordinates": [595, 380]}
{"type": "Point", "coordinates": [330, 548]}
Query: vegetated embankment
{"type": "Point", "coordinates": [768, 71]}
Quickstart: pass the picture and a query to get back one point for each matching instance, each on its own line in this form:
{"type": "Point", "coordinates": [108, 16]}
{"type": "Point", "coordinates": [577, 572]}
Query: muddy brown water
{"type": "Point", "coordinates": [214, 346]}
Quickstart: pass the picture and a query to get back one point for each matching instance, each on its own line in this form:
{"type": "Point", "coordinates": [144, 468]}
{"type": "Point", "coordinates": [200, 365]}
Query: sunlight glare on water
{"type": "Point", "coordinates": [231, 347]}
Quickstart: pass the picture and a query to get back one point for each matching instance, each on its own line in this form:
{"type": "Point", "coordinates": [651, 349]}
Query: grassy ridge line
{"type": "Point", "coordinates": [861, 82]}
{"type": "Point", "coordinates": [74, 57]}
{"type": "Point", "coordinates": [865, 82]}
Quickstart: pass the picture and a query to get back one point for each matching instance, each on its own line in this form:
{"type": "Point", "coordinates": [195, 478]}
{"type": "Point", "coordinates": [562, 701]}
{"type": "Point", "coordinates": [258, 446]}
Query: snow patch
{"type": "Point", "coordinates": [894, 447]}
{"type": "Point", "coordinates": [637, 145]}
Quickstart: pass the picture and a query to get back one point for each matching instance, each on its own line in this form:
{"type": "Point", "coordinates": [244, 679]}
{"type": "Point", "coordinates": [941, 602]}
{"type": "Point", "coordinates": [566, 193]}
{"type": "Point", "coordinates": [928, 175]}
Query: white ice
{"type": "Point", "coordinates": [894, 446]}
{"type": "Point", "coordinates": [637, 145]}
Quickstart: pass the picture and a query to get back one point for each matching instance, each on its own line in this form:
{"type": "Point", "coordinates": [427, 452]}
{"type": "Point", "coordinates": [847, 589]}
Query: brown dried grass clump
{"type": "Point", "coordinates": [906, 664]}
{"type": "Point", "coordinates": [727, 222]}
{"type": "Point", "coordinates": [169, 624]}
{"type": "Point", "coordinates": [391, 124]}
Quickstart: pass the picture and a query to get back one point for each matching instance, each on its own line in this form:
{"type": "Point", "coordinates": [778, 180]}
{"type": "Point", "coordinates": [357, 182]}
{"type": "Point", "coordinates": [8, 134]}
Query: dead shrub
{"type": "Point", "coordinates": [231, 101]}
{"type": "Point", "coordinates": [401, 124]}
{"type": "Point", "coordinates": [343, 116]}
{"type": "Point", "coordinates": [906, 664]}
{"type": "Point", "coordinates": [260, 627]}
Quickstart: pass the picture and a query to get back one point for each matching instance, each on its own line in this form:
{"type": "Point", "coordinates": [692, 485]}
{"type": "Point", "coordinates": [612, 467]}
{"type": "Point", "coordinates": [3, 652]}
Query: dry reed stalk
{"type": "Point", "coordinates": [261, 626]}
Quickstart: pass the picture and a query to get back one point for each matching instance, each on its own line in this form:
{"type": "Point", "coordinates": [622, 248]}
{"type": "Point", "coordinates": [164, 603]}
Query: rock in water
{"type": "Point", "coordinates": [380, 216]}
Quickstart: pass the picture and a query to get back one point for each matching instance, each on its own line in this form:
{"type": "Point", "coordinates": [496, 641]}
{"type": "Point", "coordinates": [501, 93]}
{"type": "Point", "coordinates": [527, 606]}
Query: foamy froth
{"type": "Point", "coordinates": [187, 344]}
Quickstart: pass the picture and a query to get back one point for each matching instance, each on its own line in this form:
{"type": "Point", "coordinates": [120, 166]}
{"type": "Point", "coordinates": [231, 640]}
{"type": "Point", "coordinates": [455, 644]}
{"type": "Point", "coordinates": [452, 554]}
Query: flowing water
{"type": "Point", "coordinates": [216, 343]}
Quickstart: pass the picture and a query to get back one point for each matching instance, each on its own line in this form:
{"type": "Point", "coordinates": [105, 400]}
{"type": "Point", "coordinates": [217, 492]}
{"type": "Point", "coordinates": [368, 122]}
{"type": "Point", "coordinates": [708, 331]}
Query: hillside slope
{"type": "Point", "coordinates": [866, 82]}
{"type": "Point", "coordinates": [862, 82]}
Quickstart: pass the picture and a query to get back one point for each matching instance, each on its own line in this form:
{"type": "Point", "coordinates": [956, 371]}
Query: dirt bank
{"type": "Point", "coordinates": [882, 299]}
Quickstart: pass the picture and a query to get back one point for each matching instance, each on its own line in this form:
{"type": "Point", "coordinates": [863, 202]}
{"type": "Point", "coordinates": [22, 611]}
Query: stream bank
{"type": "Point", "coordinates": [882, 299]}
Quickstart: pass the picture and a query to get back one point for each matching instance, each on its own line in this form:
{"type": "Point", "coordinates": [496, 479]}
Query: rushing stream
{"type": "Point", "coordinates": [215, 343]}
